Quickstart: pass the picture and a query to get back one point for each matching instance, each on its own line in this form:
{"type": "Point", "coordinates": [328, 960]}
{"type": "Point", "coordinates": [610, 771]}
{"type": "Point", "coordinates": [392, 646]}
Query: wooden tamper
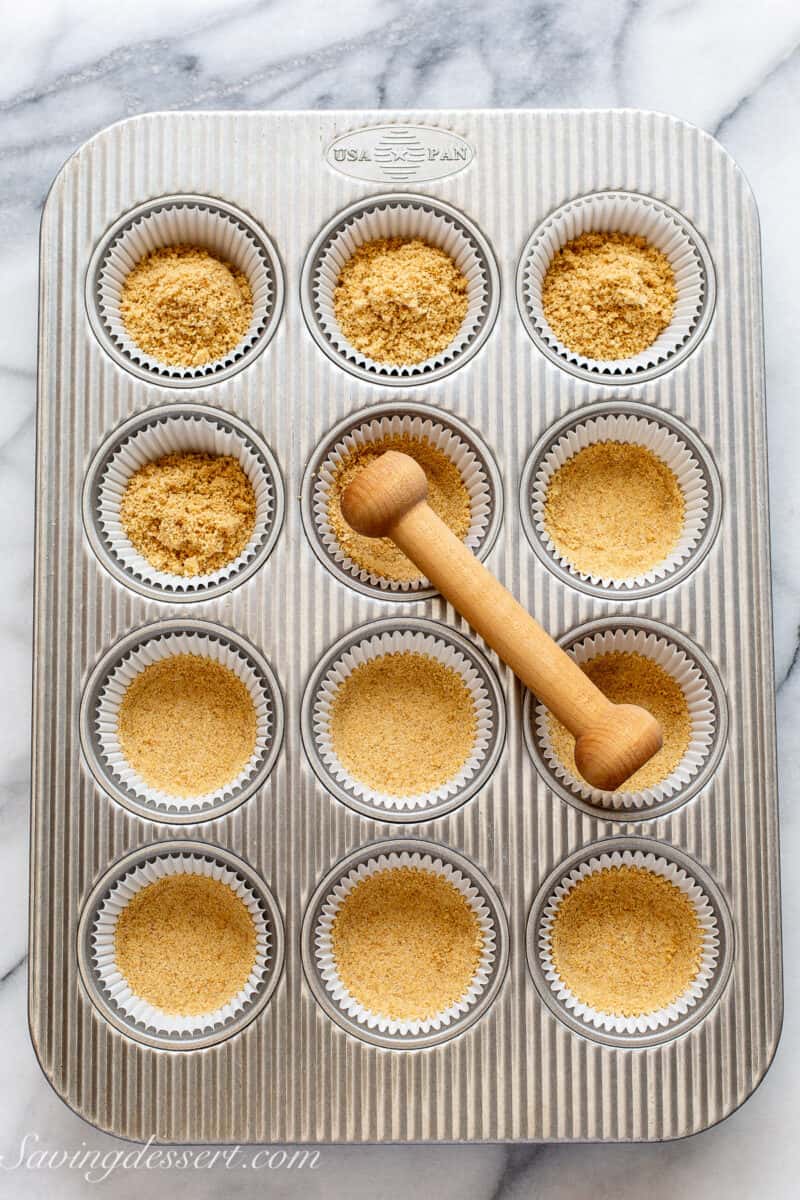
{"type": "Point", "coordinates": [388, 498]}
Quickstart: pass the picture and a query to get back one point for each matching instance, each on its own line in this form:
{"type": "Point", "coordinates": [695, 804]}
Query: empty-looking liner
{"type": "Point", "coordinates": [709, 948]}
{"type": "Point", "coordinates": [168, 434]}
{"type": "Point", "coordinates": [408, 219]}
{"type": "Point", "coordinates": [699, 701]}
{"type": "Point", "coordinates": [439, 436]}
{"type": "Point", "coordinates": [156, 649]}
{"type": "Point", "coordinates": [326, 963]}
{"type": "Point", "coordinates": [403, 642]}
{"type": "Point", "coordinates": [195, 222]}
{"type": "Point", "coordinates": [636, 431]}
{"type": "Point", "coordinates": [115, 987]}
{"type": "Point", "coordinates": [626, 213]}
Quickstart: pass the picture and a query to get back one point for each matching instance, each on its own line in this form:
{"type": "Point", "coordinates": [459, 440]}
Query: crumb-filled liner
{"type": "Point", "coordinates": [441, 437]}
{"type": "Point", "coordinates": [635, 431]}
{"type": "Point", "coordinates": [709, 950]}
{"type": "Point", "coordinates": [699, 699]}
{"type": "Point", "coordinates": [404, 219]}
{"type": "Point", "coordinates": [175, 435]}
{"type": "Point", "coordinates": [115, 986]}
{"type": "Point", "coordinates": [155, 649]}
{"type": "Point", "coordinates": [403, 642]}
{"type": "Point", "coordinates": [626, 213]}
{"type": "Point", "coordinates": [174, 223]}
{"type": "Point", "coordinates": [326, 962]}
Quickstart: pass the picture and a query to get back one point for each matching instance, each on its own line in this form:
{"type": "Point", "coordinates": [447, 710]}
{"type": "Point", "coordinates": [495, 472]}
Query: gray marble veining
{"type": "Point", "coordinates": [69, 69]}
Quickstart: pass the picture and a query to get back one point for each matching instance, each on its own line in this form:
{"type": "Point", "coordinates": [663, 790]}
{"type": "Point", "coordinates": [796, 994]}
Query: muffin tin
{"type": "Point", "coordinates": [293, 1065]}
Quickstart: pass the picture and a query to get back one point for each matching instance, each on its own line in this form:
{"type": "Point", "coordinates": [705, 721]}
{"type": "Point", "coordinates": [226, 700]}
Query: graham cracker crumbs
{"type": "Point", "coordinates": [626, 941]}
{"type": "Point", "coordinates": [609, 295]}
{"type": "Point", "coordinates": [614, 510]}
{"type": "Point", "coordinates": [403, 723]}
{"type": "Point", "coordinates": [187, 725]}
{"type": "Point", "coordinates": [406, 943]}
{"type": "Point", "coordinates": [189, 513]}
{"type": "Point", "coordinates": [447, 496]}
{"type": "Point", "coordinates": [630, 678]}
{"type": "Point", "coordinates": [185, 307]}
{"type": "Point", "coordinates": [186, 944]}
{"type": "Point", "coordinates": [400, 300]}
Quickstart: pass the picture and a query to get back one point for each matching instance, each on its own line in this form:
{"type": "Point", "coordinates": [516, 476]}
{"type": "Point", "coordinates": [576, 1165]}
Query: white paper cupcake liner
{"type": "Point", "coordinates": [109, 700]}
{"type": "Point", "coordinates": [699, 699]}
{"type": "Point", "coordinates": [406, 219]}
{"type": "Point", "coordinates": [636, 431]}
{"type": "Point", "coordinates": [628, 213]}
{"type": "Point", "coordinates": [175, 435]}
{"type": "Point", "coordinates": [419, 428]}
{"type": "Point", "coordinates": [115, 986]}
{"type": "Point", "coordinates": [326, 963]}
{"type": "Point", "coordinates": [181, 222]}
{"type": "Point", "coordinates": [709, 954]}
{"type": "Point", "coordinates": [402, 642]}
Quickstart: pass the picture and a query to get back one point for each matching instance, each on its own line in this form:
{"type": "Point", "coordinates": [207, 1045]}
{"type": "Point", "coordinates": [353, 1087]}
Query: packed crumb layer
{"type": "Point", "coordinates": [403, 723]}
{"type": "Point", "coordinates": [630, 678]}
{"type": "Point", "coordinates": [626, 941]}
{"type": "Point", "coordinates": [614, 510]}
{"type": "Point", "coordinates": [185, 307]}
{"type": "Point", "coordinates": [447, 496]}
{"type": "Point", "coordinates": [186, 944]}
{"type": "Point", "coordinates": [189, 513]}
{"type": "Point", "coordinates": [400, 300]}
{"type": "Point", "coordinates": [609, 295]}
{"type": "Point", "coordinates": [187, 725]}
{"type": "Point", "coordinates": [406, 943]}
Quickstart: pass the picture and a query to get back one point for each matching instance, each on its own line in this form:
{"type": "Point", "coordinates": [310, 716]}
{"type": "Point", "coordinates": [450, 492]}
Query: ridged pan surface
{"type": "Point", "coordinates": [519, 1071]}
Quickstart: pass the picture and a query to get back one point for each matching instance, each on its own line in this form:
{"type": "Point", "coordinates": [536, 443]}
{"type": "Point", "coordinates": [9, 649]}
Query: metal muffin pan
{"type": "Point", "coordinates": [295, 1070]}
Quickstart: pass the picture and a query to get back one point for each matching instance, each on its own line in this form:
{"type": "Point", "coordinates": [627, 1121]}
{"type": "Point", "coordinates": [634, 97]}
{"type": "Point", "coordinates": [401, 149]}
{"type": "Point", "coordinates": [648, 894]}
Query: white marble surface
{"type": "Point", "coordinates": [72, 66]}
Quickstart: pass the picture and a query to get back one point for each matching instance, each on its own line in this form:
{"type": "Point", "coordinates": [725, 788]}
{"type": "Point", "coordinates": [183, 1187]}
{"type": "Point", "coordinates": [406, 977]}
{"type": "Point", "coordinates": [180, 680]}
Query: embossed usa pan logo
{"type": "Point", "coordinates": [399, 153]}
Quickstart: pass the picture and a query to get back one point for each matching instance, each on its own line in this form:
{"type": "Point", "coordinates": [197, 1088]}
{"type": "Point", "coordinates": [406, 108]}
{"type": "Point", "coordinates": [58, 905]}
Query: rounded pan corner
{"type": "Point", "coordinates": [61, 174]}
{"type": "Point", "coordinates": [68, 1104]}
{"type": "Point", "coordinates": [771, 1050]}
{"type": "Point", "coordinates": [719, 148]}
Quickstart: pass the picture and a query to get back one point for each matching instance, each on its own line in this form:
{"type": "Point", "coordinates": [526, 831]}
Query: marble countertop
{"type": "Point", "coordinates": [71, 67]}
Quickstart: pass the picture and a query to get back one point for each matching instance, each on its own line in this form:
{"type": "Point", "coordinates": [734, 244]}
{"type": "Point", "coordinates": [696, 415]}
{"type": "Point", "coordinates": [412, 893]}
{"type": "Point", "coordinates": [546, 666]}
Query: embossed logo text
{"type": "Point", "coordinates": [399, 153]}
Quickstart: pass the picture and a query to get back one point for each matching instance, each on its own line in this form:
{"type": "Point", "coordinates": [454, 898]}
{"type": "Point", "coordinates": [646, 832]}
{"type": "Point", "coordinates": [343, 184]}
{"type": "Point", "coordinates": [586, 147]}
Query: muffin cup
{"type": "Point", "coordinates": [112, 983]}
{"type": "Point", "coordinates": [709, 956]}
{"type": "Point", "coordinates": [627, 213]}
{"type": "Point", "coordinates": [326, 965]}
{"type": "Point", "coordinates": [398, 642]}
{"type": "Point", "coordinates": [635, 431]}
{"type": "Point", "coordinates": [122, 674]}
{"type": "Point", "coordinates": [702, 713]}
{"type": "Point", "coordinates": [405, 218]}
{"type": "Point", "coordinates": [172, 434]}
{"type": "Point", "coordinates": [195, 221]}
{"type": "Point", "coordinates": [446, 440]}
